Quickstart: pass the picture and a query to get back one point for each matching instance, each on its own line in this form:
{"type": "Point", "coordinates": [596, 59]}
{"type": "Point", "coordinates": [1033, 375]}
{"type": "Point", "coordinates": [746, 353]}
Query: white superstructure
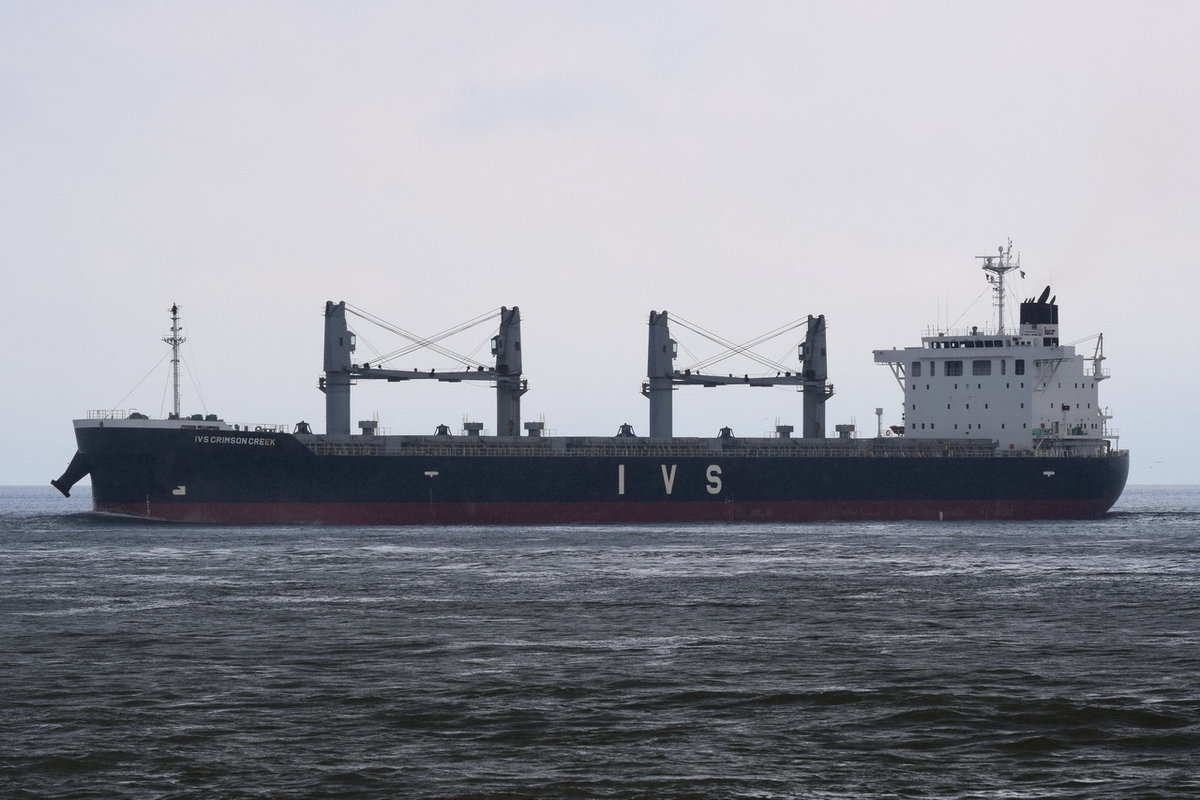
{"type": "Point", "coordinates": [1024, 390]}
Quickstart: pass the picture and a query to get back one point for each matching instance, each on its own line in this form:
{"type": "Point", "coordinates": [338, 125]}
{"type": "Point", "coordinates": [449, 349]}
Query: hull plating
{"type": "Point", "coordinates": [179, 476]}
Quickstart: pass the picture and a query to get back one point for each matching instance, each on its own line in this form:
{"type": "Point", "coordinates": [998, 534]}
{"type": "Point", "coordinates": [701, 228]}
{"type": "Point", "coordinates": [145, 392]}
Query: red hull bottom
{"type": "Point", "coordinates": [627, 512]}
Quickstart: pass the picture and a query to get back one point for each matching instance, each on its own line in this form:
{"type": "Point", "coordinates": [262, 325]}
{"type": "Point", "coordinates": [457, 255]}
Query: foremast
{"type": "Point", "coordinates": [175, 339]}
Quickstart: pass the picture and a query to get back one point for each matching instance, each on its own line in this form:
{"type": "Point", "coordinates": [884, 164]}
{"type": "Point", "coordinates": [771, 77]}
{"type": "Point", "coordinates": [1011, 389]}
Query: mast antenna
{"type": "Point", "coordinates": [998, 266]}
{"type": "Point", "coordinates": [175, 340]}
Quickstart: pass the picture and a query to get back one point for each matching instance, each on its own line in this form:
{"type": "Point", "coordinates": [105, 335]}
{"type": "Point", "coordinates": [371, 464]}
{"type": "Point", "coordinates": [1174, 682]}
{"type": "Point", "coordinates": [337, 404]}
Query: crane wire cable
{"type": "Point", "coordinates": [425, 342]}
{"type": "Point", "coordinates": [745, 348]}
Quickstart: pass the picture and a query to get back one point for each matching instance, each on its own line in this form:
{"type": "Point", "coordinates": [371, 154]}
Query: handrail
{"type": "Point", "coordinates": [599, 448]}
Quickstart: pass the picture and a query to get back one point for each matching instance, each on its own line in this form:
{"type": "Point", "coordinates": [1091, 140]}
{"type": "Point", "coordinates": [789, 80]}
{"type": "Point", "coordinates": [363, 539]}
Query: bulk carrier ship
{"type": "Point", "coordinates": [998, 424]}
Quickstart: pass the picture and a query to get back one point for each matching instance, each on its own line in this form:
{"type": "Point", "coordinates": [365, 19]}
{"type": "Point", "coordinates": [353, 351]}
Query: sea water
{"type": "Point", "coordinates": [842, 660]}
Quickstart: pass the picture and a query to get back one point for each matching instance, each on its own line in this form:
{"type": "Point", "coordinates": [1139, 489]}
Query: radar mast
{"type": "Point", "coordinates": [997, 267]}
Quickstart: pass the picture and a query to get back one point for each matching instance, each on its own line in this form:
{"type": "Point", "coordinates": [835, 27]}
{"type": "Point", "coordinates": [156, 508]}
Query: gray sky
{"type": "Point", "coordinates": [739, 164]}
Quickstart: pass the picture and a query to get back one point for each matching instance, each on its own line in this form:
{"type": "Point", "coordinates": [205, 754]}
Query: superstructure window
{"type": "Point", "coordinates": [982, 366]}
{"type": "Point", "coordinates": [916, 369]}
{"type": "Point", "coordinates": [953, 368]}
{"type": "Point", "coordinates": [1019, 366]}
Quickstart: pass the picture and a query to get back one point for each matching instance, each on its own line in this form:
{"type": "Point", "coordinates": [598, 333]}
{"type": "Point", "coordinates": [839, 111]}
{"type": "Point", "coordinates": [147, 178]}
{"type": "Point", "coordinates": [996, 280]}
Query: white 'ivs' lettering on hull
{"type": "Point", "coordinates": [668, 478]}
{"type": "Point", "coordinates": [714, 479]}
{"type": "Point", "coordinates": [712, 474]}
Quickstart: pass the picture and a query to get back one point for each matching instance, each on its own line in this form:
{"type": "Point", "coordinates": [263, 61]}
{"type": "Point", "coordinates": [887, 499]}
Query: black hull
{"type": "Point", "coordinates": [238, 478]}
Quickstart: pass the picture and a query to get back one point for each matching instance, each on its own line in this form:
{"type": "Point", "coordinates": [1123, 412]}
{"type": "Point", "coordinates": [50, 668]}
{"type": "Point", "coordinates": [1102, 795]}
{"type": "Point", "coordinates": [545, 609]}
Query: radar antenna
{"type": "Point", "coordinates": [175, 340]}
{"type": "Point", "coordinates": [998, 266]}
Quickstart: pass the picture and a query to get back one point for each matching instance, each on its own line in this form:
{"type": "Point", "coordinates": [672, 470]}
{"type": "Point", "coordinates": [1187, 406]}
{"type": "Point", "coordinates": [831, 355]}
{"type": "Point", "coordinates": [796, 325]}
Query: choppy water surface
{"type": "Point", "coordinates": [850, 660]}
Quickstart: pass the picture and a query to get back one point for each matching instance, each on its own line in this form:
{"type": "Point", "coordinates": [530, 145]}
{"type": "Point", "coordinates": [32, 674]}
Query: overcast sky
{"type": "Point", "coordinates": [740, 164]}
